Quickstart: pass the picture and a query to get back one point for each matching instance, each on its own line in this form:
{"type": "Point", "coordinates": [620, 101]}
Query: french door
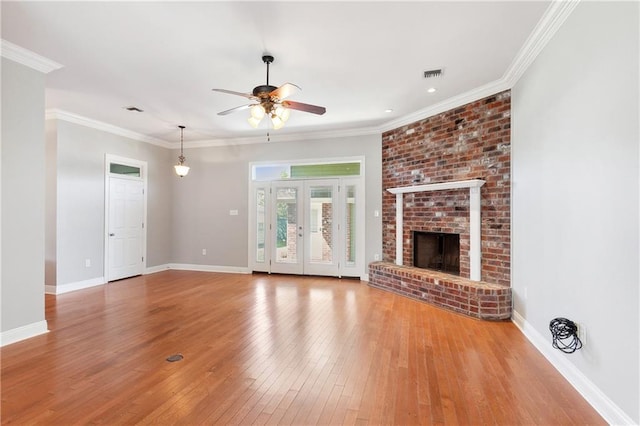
{"type": "Point", "coordinates": [306, 227]}
{"type": "Point", "coordinates": [286, 244]}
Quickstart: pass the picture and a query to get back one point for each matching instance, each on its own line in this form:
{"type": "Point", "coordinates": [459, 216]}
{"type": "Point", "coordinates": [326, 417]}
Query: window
{"type": "Point", "coordinates": [123, 169]}
{"type": "Point", "coordinates": [268, 172]}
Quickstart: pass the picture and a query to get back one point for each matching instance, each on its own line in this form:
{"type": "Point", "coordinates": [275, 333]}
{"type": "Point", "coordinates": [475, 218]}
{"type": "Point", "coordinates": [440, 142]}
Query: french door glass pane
{"type": "Point", "coordinates": [260, 224]}
{"type": "Point", "coordinates": [321, 211]}
{"type": "Point", "coordinates": [350, 225]}
{"type": "Point", "coordinates": [287, 225]}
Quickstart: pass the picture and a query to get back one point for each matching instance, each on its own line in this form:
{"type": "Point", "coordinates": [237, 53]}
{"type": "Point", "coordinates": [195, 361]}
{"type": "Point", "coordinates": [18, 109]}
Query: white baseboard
{"type": "Point", "coordinates": [21, 333]}
{"type": "Point", "coordinates": [594, 396]}
{"type": "Point", "coordinates": [154, 269]}
{"type": "Point", "coordinates": [209, 268]}
{"type": "Point", "coordinates": [365, 277]}
{"type": "Point", "coordinates": [66, 288]}
{"type": "Point", "coordinates": [79, 285]}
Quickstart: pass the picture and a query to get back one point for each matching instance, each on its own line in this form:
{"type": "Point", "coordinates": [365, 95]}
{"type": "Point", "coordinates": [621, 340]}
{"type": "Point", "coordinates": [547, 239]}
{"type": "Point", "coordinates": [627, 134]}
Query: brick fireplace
{"type": "Point", "coordinates": [470, 143]}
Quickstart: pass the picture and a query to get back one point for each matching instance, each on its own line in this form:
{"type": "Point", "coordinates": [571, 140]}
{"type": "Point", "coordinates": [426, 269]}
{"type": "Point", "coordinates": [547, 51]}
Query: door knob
{"type": "Point", "coordinates": [112, 235]}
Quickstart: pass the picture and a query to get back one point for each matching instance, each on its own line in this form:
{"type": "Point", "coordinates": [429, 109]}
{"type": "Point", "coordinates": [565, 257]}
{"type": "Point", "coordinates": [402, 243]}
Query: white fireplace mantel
{"type": "Point", "coordinates": [475, 243]}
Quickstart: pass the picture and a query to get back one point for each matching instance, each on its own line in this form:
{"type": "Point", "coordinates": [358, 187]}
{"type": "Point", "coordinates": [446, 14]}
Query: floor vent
{"type": "Point", "coordinates": [174, 358]}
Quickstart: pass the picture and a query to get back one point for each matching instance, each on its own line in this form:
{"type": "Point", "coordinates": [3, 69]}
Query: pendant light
{"type": "Point", "coordinates": [181, 169]}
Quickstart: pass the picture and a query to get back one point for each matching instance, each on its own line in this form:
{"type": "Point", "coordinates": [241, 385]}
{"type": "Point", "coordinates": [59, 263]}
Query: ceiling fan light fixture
{"type": "Point", "coordinates": [282, 112]}
{"type": "Point", "coordinates": [271, 102]}
{"type": "Point", "coordinates": [254, 122]}
{"type": "Point", "coordinates": [257, 112]}
{"type": "Point", "coordinates": [277, 122]}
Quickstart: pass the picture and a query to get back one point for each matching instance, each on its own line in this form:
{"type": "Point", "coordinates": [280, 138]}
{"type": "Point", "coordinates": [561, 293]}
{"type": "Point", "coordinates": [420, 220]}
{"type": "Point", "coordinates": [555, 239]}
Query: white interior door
{"type": "Point", "coordinates": [125, 228]}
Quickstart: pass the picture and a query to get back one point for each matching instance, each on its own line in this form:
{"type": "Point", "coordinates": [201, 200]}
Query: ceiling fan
{"type": "Point", "coordinates": [270, 101]}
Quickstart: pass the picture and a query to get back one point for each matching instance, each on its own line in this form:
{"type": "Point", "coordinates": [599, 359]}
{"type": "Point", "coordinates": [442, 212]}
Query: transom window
{"type": "Point", "coordinates": [268, 172]}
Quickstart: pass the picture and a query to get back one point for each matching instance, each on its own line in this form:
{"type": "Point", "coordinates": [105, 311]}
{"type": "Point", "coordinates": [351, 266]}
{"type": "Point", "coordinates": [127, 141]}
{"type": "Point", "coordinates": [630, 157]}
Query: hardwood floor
{"type": "Point", "coordinates": [262, 349]}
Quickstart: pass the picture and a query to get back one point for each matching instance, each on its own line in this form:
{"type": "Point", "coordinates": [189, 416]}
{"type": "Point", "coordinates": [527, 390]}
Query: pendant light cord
{"type": "Point", "coordinates": [181, 158]}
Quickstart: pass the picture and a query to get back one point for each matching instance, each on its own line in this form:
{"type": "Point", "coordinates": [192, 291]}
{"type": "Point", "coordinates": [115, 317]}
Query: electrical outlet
{"type": "Point", "coordinates": [582, 333]}
{"type": "Point", "coordinates": [87, 263]}
{"type": "Point", "coordinates": [376, 256]}
{"type": "Point", "coordinates": [204, 252]}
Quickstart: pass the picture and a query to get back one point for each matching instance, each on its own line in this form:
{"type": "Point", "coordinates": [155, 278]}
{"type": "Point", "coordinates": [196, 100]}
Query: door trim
{"type": "Point", "coordinates": [108, 160]}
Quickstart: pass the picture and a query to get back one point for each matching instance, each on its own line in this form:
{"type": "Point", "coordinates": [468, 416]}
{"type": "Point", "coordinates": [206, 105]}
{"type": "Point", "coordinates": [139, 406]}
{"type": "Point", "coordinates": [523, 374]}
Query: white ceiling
{"type": "Point", "coordinates": [356, 58]}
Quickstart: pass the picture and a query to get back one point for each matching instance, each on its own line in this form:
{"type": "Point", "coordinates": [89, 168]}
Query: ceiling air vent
{"type": "Point", "coordinates": [433, 73]}
{"type": "Point", "coordinates": [133, 108]}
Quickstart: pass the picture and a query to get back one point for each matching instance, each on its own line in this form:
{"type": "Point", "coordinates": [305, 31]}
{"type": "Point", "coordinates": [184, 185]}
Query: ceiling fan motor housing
{"type": "Point", "coordinates": [263, 90]}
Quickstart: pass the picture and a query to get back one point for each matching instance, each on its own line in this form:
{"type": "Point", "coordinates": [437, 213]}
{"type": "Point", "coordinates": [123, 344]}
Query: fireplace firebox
{"type": "Point", "coordinates": [437, 251]}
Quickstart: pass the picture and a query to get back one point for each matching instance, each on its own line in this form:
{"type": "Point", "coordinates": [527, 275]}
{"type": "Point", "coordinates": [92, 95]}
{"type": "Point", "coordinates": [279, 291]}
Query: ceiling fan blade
{"type": "Point", "coordinates": [240, 108]}
{"type": "Point", "coordinates": [231, 92]}
{"type": "Point", "coordinates": [314, 109]}
{"type": "Point", "coordinates": [284, 91]}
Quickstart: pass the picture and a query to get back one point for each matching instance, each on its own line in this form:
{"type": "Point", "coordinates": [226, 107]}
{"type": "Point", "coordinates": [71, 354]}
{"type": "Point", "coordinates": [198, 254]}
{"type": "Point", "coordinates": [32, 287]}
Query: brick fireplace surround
{"type": "Point", "coordinates": [468, 142]}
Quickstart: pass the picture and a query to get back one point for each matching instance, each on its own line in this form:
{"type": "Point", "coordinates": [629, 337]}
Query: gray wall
{"type": "Point", "coordinates": [219, 182]}
{"type": "Point", "coordinates": [23, 195]}
{"type": "Point", "coordinates": [575, 162]}
{"type": "Point", "coordinates": [184, 215]}
{"type": "Point", "coordinates": [51, 195]}
{"type": "Point", "coordinates": [81, 199]}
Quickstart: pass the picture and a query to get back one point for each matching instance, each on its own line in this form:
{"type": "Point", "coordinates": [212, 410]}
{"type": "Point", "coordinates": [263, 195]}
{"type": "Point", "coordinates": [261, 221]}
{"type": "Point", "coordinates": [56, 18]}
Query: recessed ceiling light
{"type": "Point", "coordinates": [388, 110]}
{"type": "Point", "coordinates": [431, 89]}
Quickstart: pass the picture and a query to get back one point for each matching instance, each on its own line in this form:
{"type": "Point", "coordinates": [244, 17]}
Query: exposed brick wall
{"type": "Point", "coordinates": [469, 142]}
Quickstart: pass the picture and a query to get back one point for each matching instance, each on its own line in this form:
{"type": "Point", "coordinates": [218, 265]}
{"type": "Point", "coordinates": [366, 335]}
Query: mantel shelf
{"type": "Point", "coordinates": [472, 183]}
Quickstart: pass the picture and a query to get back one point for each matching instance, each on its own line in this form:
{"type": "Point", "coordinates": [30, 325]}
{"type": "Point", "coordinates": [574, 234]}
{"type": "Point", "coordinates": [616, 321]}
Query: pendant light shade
{"type": "Point", "coordinates": [181, 169]}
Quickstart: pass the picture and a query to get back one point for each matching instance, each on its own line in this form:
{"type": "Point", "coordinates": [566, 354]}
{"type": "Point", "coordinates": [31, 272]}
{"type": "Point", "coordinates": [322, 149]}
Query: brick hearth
{"type": "Point", "coordinates": [474, 298]}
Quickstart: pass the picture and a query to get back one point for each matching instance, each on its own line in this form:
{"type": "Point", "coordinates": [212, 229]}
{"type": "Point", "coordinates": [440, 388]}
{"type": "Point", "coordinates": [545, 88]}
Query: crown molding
{"type": "Point", "coordinates": [57, 114]}
{"type": "Point", "coordinates": [27, 58]}
{"type": "Point", "coordinates": [448, 104]}
{"type": "Point", "coordinates": [552, 19]}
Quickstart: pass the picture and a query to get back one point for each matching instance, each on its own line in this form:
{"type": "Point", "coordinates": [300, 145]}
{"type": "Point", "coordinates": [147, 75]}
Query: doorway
{"type": "Point", "coordinates": [125, 217]}
{"type": "Point", "coordinates": [307, 227]}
